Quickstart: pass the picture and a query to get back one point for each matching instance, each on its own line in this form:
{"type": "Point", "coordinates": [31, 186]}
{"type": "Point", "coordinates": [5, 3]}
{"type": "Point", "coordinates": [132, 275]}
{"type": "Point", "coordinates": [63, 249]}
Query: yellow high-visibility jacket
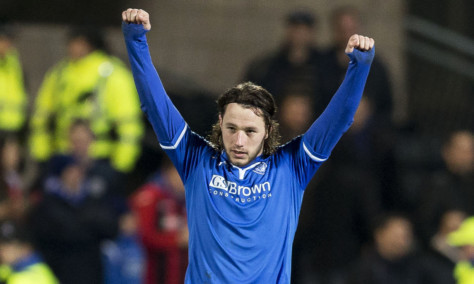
{"type": "Point", "coordinates": [13, 98]}
{"type": "Point", "coordinates": [464, 273]}
{"type": "Point", "coordinates": [38, 273]}
{"type": "Point", "coordinates": [99, 88]}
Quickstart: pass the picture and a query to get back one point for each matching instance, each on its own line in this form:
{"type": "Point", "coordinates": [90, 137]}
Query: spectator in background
{"type": "Point", "coordinates": [13, 99]}
{"type": "Point", "coordinates": [328, 240]}
{"type": "Point", "coordinates": [464, 238]}
{"type": "Point", "coordinates": [124, 257]}
{"type": "Point", "coordinates": [20, 262]}
{"type": "Point", "coordinates": [346, 21]}
{"type": "Point", "coordinates": [451, 186]}
{"type": "Point", "coordinates": [88, 84]}
{"type": "Point", "coordinates": [391, 260]}
{"type": "Point", "coordinates": [106, 181]}
{"type": "Point", "coordinates": [441, 257]}
{"type": "Point", "coordinates": [295, 66]}
{"type": "Point", "coordinates": [78, 211]}
{"type": "Point", "coordinates": [369, 146]}
{"type": "Point", "coordinates": [160, 208]}
{"type": "Point", "coordinates": [70, 223]}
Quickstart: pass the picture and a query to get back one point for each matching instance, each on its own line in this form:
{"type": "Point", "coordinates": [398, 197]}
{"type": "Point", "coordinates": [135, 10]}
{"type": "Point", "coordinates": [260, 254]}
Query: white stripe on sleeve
{"type": "Point", "coordinates": [172, 147]}
{"type": "Point", "coordinates": [313, 157]}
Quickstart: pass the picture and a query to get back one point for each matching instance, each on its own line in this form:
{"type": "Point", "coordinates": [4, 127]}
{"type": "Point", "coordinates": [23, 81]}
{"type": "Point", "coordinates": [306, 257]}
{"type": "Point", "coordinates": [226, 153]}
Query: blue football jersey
{"type": "Point", "coordinates": [242, 220]}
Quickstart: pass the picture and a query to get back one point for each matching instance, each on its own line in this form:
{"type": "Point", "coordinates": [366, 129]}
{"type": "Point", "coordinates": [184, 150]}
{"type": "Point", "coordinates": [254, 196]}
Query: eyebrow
{"type": "Point", "coordinates": [227, 124]}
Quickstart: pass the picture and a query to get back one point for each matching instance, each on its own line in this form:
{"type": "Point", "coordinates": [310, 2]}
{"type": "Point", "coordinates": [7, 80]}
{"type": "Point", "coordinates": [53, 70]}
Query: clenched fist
{"type": "Point", "coordinates": [359, 42]}
{"type": "Point", "coordinates": [137, 16]}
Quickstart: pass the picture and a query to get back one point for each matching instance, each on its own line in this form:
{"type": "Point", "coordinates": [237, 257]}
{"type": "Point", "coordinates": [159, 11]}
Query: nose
{"type": "Point", "coordinates": [240, 139]}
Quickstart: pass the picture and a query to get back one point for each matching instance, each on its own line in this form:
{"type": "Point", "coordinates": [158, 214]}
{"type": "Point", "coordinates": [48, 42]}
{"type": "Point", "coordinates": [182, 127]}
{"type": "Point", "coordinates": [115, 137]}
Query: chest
{"type": "Point", "coordinates": [243, 196]}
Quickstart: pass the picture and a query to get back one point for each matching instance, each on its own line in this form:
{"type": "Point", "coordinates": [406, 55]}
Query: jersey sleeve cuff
{"type": "Point", "coordinates": [134, 31]}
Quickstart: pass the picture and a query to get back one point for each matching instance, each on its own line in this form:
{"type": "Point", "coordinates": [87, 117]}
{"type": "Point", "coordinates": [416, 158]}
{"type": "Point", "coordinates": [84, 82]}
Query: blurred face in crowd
{"type": "Point", "coordinates": [81, 138]}
{"type": "Point", "coordinates": [459, 153]}
{"type": "Point", "coordinates": [78, 47]}
{"type": "Point", "coordinates": [296, 113]}
{"type": "Point", "coordinates": [72, 177]}
{"type": "Point", "coordinates": [11, 252]}
{"type": "Point", "coordinates": [128, 224]}
{"type": "Point", "coordinates": [344, 26]}
{"type": "Point", "coordinates": [299, 35]}
{"type": "Point", "coordinates": [11, 155]}
{"type": "Point", "coordinates": [394, 240]}
{"type": "Point", "coordinates": [362, 115]}
{"type": "Point", "coordinates": [468, 252]}
{"type": "Point", "coordinates": [451, 221]}
{"type": "Point", "coordinates": [243, 133]}
{"type": "Point", "coordinates": [5, 45]}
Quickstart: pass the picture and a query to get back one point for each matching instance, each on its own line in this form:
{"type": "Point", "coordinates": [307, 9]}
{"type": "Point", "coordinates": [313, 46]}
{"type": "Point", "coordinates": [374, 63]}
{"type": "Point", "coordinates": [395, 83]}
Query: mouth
{"type": "Point", "coordinates": [238, 154]}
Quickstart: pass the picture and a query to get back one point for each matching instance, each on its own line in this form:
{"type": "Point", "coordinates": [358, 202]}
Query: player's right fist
{"type": "Point", "coordinates": [137, 16]}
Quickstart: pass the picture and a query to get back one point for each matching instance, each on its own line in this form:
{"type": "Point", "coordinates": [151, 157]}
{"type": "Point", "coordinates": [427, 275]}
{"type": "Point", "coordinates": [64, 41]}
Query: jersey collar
{"type": "Point", "coordinates": [242, 170]}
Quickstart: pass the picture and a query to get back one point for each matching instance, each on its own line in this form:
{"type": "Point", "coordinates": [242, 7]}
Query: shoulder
{"type": "Point", "coordinates": [199, 141]}
{"type": "Point", "coordinates": [289, 148]}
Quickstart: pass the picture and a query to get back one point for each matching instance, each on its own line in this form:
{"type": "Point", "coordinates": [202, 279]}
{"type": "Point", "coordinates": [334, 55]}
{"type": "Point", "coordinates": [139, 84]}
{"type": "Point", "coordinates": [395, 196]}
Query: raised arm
{"type": "Point", "coordinates": [326, 131]}
{"type": "Point", "coordinates": [167, 122]}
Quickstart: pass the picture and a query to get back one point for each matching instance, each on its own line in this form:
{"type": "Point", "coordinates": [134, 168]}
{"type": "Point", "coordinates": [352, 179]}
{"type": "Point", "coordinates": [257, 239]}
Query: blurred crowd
{"type": "Point", "coordinates": [86, 195]}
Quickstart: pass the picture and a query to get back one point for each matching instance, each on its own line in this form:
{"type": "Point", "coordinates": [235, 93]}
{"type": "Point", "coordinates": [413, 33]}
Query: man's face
{"type": "Point", "coordinates": [5, 45]}
{"type": "Point", "coordinates": [243, 133]}
{"type": "Point", "coordinates": [9, 252]}
{"type": "Point", "coordinates": [295, 112]}
{"type": "Point", "coordinates": [299, 35]}
{"type": "Point", "coordinates": [81, 138]}
{"type": "Point", "coordinates": [344, 27]}
{"type": "Point", "coordinates": [78, 47]}
{"type": "Point", "coordinates": [395, 240]}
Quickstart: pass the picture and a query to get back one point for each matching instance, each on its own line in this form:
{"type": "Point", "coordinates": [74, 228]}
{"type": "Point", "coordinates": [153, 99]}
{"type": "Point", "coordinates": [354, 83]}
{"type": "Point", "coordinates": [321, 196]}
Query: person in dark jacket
{"type": "Point", "coordinates": [392, 259]}
{"type": "Point", "coordinates": [347, 20]}
{"type": "Point", "coordinates": [75, 215]}
{"type": "Point", "coordinates": [295, 67]}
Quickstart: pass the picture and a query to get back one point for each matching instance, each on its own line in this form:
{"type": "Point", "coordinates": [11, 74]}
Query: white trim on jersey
{"type": "Point", "coordinates": [314, 158]}
{"type": "Point", "coordinates": [172, 147]}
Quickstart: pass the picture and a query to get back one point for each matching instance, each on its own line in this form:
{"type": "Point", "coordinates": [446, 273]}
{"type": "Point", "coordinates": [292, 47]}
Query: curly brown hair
{"type": "Point", "coordinates": [261, 102]}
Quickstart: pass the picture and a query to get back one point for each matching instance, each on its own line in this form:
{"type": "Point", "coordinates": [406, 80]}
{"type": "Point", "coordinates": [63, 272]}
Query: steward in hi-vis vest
{"type": "Point", "coordinates": [91, 85]}
{"type": "Point", "coordinates": [12, 91]}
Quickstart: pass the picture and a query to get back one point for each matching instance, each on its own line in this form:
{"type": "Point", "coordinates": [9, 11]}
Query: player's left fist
{"type": "Point", "coordinates": [359, 42]}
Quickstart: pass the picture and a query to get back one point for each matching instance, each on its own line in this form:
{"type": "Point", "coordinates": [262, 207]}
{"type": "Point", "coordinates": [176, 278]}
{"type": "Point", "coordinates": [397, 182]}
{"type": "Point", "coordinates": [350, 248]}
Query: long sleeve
{"type": "Point", "coordinates": [316, 144]}
{"type": "Point", "coordinates": [326, 131]}
{"type": "Point", "coordinates": [167, 122]}
{"type": "Point", "coordinates": [184, 147]}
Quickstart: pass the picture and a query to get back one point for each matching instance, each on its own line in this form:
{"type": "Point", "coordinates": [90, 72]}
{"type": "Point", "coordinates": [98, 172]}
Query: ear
{"type": "Point", "coordinates": [220, 120]}
{"type": "Point", "coordinates": [269, 130]}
